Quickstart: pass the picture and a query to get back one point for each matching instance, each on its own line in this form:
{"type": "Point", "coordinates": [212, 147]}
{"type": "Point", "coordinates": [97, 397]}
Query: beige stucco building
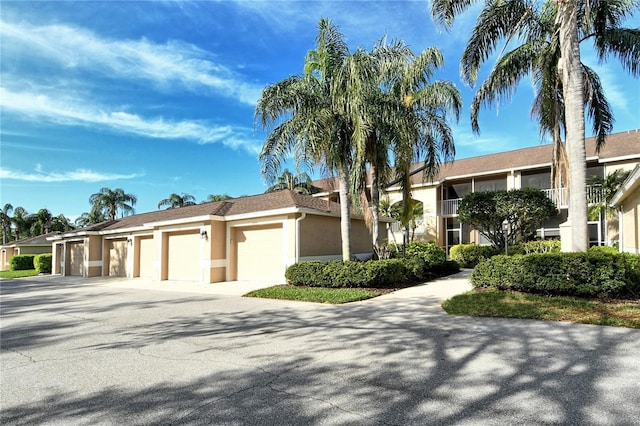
{"type": "Point", "coordinates": [528, 167]}
{"type": "Point", "coordinates": [31, 245]}
{"type": "Point", "coordinates": [627, 201]}
{"type": "Point", "coordinates": [247, 238]}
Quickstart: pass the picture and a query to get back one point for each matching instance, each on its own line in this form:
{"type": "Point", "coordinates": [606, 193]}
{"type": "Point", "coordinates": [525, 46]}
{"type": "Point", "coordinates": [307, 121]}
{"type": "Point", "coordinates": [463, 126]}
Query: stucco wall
{"type": "Point", "coordinates": [631, 223]}
{"type": "Point", "coordinates": [320, 236]}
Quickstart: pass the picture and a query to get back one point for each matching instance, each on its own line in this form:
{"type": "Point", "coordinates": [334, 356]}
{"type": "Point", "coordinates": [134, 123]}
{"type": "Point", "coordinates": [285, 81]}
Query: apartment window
{"type": "Point", "coordinates": [457, 190]}
{"type": "Point", "coordinates": [540, 180]}
{"type": "Point", "coordinates": [491, 185]}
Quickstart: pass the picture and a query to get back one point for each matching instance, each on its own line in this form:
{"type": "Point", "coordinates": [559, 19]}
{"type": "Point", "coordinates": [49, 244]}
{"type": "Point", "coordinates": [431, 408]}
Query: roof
{"type": "Point", "coordinates": [618, 146]}
{"type": "Point", "coordinates": [271, 201]}
{"type": "Point", "coordinates": [631, 183]}
{"type": "Point", "coordinates": [39, 240]}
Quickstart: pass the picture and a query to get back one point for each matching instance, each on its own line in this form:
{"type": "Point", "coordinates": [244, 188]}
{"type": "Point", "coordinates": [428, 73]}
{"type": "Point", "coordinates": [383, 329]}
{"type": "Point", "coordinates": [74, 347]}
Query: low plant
{"type": "Point", "coordinates": [314, 294]}
{"type": "Point", "coordinates": [541, 246]}
{"type": "Point", "coordinates": [21, 262]}
{"type": "Point", "coordinates": [469, 255]}
{"type": "Point", "coordinates": [42, 263]}
{"type": "Point", "coordinates": [430, 252]}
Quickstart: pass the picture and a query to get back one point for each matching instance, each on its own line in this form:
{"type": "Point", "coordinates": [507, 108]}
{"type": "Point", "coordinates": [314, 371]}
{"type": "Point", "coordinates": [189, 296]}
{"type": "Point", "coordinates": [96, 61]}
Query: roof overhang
{"type": "Point", "coordinates": [628, 186]}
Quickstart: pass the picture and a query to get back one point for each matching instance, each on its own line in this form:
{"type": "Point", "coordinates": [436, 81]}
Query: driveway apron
{"type": "Point", "coordinates": [80, 352]}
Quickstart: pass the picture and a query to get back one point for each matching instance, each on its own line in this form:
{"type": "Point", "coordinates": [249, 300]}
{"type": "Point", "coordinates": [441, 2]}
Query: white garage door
{"type": "Point", "coordinates": [76, 258]}
{"type": "Point", "coordinates": [117, 258]}
{"type": "Point", "coordinates": [147, 257]}
{"type": "Point", "coordinates": [184, 256]}
{"type": "Point", "coordinates": [259, 253]}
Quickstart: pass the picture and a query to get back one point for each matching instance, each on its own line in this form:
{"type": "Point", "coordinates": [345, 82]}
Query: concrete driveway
{"type": "Point", "coordinates": [99, 352]}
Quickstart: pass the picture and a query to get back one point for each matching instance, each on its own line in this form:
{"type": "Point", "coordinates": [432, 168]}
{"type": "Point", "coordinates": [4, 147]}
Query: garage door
{"type": "Point", "coordinates": [117, 258]}
{"type": "Point", "coordinates": [259, 253]}
{"type": "Point", "coordinates": [76, 258]}
{"type": "Point", "coordinates": [184, 256]}
{"type": "Point", "coordinates": [147, 257]}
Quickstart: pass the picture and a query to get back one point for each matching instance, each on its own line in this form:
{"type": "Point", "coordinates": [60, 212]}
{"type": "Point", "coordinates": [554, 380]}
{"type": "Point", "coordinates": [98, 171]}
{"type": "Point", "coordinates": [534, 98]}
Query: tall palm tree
{"type": "Point", "coordinates": [218, 197]}
{"type": "Point", "coordinates": [176, 201]}
{"type": "Point", "coordinates": [402, 115]}
{"type": "Point", "coordinates": [61, 223]}
{"type": "Point", "coordinates": [110, 201]}
{"type": "Point", "coordinates": [561, 74]}
{"type": "Point", "coordinates": [94, 216]}
{"type": "Point", "coordinates": [5, 222]}
{"type": "Point", "coordinates": [300, 182]}
{"type": "Point", "coordinates": [41, 222]}
{"type": "Point", "coordinates": [22, 222]}
{"type": "Point", "coordinates": [308, 123]}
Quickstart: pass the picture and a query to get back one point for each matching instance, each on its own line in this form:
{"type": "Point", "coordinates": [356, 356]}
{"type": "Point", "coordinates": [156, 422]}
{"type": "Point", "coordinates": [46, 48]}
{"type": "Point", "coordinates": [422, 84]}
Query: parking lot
{"type": "Point", "coordinates": [113, 352]}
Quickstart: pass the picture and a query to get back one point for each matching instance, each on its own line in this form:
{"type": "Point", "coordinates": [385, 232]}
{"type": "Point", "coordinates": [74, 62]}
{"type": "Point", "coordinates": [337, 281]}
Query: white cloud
{"type": "Point", "coordinates": [76, 111]}
{"type": "Point", "coordinates": [173, 62]}
{"type": "Point", "coordinates": [78, 175]}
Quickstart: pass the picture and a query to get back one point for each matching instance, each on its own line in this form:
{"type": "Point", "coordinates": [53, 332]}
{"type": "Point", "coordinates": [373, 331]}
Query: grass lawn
{"type": "Point", "coordinates": [315, 294]}
{"type": "Point", "coordinates": [556, 308]}
{"type": "Point", "coordinates": [18, 274]}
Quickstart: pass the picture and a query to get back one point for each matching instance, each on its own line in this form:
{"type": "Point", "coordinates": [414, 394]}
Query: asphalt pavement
{"type": "Point", "coordinates": [105, 351]}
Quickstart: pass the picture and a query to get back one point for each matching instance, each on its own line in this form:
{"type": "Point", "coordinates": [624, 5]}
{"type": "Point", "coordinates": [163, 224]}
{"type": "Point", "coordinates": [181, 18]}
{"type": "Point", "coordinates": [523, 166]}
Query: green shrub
{"type": "Point", "coordinates": [541, 246]}
{"type": "Point", "coordinates": [447, 267]}
{"type": "Point", "coordinates": [603, 249]}
{"type": "Point", "coordinates": [469, 255]}
{"type": "Point", "coordinates": [432, 253]}
{"type": "Point", "coordinates": [573, 274]}
{"type": "Point", "coordinates": [417, 267]}
{"type": "Point", "coordinates": [22, 262]}
{"type": "Point", "coordinates": [42, 263]}
{"type": "Point", "coordinates": [338, 274]}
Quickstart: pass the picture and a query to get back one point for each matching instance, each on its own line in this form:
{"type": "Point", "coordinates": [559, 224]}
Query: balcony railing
{"type": "Point", "coordinates": [558, 196]}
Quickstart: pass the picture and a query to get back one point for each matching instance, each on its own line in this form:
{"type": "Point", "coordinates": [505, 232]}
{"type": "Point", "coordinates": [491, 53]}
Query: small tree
{"type": "Point", "coordinates": [523, 210]}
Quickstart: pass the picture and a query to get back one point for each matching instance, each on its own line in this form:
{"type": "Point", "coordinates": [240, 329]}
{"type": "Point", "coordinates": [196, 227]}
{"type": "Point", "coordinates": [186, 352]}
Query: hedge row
{"type": "Point", "coordinates": [469, 255]}
{"type": "Point", "coordinates": [372, 274]}
{"type": "Point", "coordinates": [21, 262]}
{"type": "Point", "coordinates": [42, 263]}
{"type": "Point", "coordinates": [592, 274]}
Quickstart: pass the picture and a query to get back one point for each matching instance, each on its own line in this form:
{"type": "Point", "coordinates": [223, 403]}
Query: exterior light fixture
{"type": "Point", "coordinates": [204, 235]}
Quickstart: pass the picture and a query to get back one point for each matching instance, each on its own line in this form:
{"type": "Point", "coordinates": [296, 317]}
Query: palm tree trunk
{"type": "Point", "coordinates": [375, 209]}
{"type": "Point", "coordinates": [345, 215]}
{"type": "Point", "coordinates": [573, 93]}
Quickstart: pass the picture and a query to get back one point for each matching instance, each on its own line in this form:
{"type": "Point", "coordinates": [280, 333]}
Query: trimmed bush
{"type": "Point", "coordinates": [432, 253]}
{"type": "Point", "coordinates": [573, 274]}
{"type": "Point", "coordinates": [469, 255]}
{"type": "Point", "coordinates": [42, 263]}
{"type": "Point", "coordinates": [541, 246]}
{"type": "Point", "coordinates": [603, 249]}
{"type": "Point", "coordinates": [21, 262]}
{"type": "Point", "coordinates": [337, 274]}
{"type": "Point", "coordinates": [445, 268]}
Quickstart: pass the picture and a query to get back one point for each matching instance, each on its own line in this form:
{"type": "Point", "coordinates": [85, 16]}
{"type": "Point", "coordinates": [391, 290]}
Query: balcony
{"type": "Point", "coordinates": [558, 196]}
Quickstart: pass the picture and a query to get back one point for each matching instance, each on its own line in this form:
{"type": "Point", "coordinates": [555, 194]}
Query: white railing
{"type": "Point", "coordinates": [450, 207]}
{"type": "Point", "coordinates": [558, 196]}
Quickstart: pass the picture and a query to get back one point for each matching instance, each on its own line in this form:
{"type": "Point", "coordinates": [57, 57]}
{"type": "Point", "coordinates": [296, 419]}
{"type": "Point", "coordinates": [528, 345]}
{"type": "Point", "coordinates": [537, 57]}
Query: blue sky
{"type": "Point", "coordinates": [158, 97]}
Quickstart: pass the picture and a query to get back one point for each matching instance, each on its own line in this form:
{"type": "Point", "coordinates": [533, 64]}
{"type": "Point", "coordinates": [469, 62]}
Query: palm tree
{"type": "Point", "coordinates": [22, 222]}
{"type": "Point", "coordinates": [606, 188]}
{"type": "Point", "coordinates": [218, 197]}
{"type": "Point", "coordinates": [559, 71]}
{"type": "Point", "coordinates": [5, 222]}
{"type": "Point", "coordinates": [307, 121]}
{"type": "Point", "coordinates": [176, 201]}
{"type": "Point", "coordinates": [401, 115]}
{"type": "Point", "coordinates": [300, 182]}
{"type": "Point", "coordinates": [61, 223]}
{"type": "Point", "coordinates": [41, 222]}
{"type": "Point", "coordinates": [85, 219]}
{"type": "Point", "coordinates": [109, 201]}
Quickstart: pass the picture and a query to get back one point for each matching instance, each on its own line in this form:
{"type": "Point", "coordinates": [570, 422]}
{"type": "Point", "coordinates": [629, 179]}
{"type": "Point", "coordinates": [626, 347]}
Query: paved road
{"type": "Point", "coordinates": [101, 353]}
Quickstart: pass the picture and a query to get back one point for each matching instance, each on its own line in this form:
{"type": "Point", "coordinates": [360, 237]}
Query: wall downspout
{"type": "Point", "coordinates": [298, 220]}
{"type": "Point", "coordinates": [620, 230]}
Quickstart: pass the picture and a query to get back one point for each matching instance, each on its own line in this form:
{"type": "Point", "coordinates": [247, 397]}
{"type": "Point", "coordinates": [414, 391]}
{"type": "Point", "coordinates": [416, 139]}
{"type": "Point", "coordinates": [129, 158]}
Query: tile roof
{"type": "Point", "coordinates": [235, 206]}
